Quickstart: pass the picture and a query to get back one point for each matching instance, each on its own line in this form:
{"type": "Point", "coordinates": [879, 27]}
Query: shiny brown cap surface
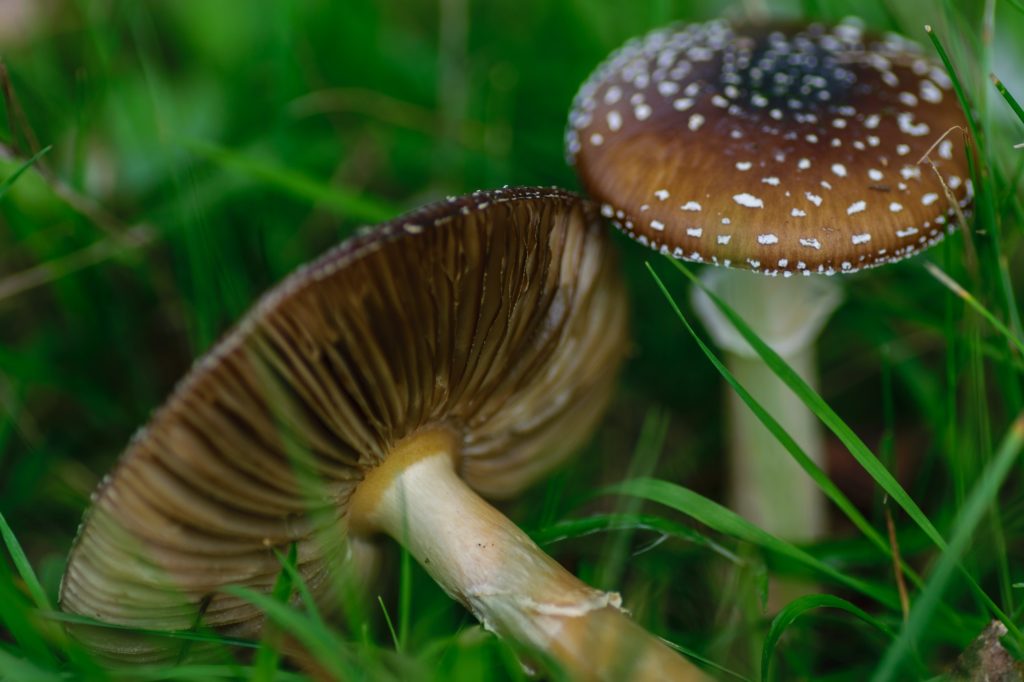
{"type": "Point", "coordinates": [778, 149]}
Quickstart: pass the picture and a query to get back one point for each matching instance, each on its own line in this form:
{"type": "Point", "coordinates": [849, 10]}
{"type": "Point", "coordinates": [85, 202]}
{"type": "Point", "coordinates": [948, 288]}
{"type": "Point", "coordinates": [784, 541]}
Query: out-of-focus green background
{"type": "Point", "coordinates": [199, 150]}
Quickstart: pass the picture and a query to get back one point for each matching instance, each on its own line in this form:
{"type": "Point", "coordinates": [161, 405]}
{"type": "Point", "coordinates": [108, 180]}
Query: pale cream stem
{"type": "Point", "coordinates": [488, 564]}
{"type": "Point", "coordinates": [766, 485]}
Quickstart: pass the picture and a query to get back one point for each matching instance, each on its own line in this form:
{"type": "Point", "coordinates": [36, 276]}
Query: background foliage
{"type": "Point", "coordinates": [197, 151]}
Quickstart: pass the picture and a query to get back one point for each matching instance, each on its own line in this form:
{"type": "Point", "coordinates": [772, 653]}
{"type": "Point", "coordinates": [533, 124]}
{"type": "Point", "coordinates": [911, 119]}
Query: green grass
{"type": "Point", "coordinates": [167, 162]}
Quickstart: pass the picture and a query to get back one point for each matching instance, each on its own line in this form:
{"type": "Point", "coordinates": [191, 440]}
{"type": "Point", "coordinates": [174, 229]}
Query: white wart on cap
{"type": "Point", "coordinates": [778, 149]}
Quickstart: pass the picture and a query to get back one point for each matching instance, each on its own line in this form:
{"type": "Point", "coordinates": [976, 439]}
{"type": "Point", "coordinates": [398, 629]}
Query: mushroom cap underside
{"type": "Point", "coordinates": [499, 316]}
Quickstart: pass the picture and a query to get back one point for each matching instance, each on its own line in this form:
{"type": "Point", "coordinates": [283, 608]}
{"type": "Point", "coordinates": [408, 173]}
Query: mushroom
{"type": "Point", "coordinates": [780, 150]}
{"type": "Point", "coordinates": [467, 347]}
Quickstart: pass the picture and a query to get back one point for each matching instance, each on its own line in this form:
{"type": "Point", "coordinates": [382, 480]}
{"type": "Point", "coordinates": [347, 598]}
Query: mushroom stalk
{"type": "Point", "coordinates": [766, 485]}
{"type": "Point", "coordinates": [492, 567]}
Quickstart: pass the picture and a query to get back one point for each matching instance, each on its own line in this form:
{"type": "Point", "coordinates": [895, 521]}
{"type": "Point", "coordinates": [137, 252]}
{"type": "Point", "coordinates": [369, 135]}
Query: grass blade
{"type": "Point", "coordinates": [298, 582]}
{"type": "Point", "coordinates": [185, 635]}
{"type": "Point", "coordinates": [981, 496]}
{"type": "Point", "coordinates": [9, 181]}
{"type": "Point", "coordinates": [598, 523]}
{"type": "Point", "coordinates": [645, 456]}
{"type": "Point", "coordinates": [727, 522]}
{"type": "Point", "coordinates": [18, 669]}
{"type": "Point", "coordinates": [391, 627]}
{"type": "Point", "coordinates": [1010, 99]}
{"type": "Point", "coordinates": [268, 658]}
{"type": "Point", "coordinates": [348, 203]}
{"type": "Point", "coordinates": [970, 300]}
{"type": "Point", "coordinates": [798, 607]}
{"type": "Point", "coordinates": [17, 621]}
{"type": "Point", "coordinates": [24, 568]}
{"type": "Point", "coordinates": [318, 640]}
{"type": "Point", "coordinates": [198, 672]}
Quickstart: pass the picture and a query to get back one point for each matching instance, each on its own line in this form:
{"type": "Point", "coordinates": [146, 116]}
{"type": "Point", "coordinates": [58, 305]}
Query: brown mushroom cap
{"type": "Point", "coordinates": [497, 316]}
{"type": "Point", "coordinates": [772, 148]}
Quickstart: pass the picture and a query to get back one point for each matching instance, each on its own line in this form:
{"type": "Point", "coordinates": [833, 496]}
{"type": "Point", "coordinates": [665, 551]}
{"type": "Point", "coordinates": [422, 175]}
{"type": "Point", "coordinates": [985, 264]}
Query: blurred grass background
{"type": "Point", "coordinates": [200, 150]}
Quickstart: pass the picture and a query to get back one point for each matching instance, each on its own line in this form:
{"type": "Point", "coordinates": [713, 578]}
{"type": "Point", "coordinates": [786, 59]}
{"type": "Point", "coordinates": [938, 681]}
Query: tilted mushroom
{"type": "Point", "coordinates": [782, 150]}
{"type": "Point", "coordinates": [466, 347]}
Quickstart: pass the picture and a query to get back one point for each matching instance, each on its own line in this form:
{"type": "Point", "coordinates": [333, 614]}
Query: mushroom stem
{"type": "Point", "coordinates": [766, 485]}
{"type": "Point", "coordinates": [496, 571]}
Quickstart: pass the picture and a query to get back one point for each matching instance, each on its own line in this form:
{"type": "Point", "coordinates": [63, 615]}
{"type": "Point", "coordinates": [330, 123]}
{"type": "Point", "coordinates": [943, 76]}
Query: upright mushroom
{"type": "Point", "coordinates": [782, 150]}
{"type": "Point", "coordinates": [466, 347]}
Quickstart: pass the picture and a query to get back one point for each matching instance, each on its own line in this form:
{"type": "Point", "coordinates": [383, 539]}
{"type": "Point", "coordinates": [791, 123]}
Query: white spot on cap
{"type": "Point", "coordinates": [771, 180]}
{"type": "Point", "coordinates": [810, 243]}
{"type": "Point", "coordinates": [875, 174]}
{"type": "Point", "coordinates": [642, 112]}
{"type": "Point", "coordinates": [690, 206]}
{"type": "Point", "coordinates": [905, 120]}
{"type": "Point", "coordinates": [668, 88]}
{"type": "Point", "coordinates": [661, 194]}
{"type": "Point", "coordinates": [682, 104]}
{"type": "Point", "coordinates": [946, 149]}
{"type": "Point", "coordinates": [813, 198]}
{"type": "Point", "coordinates": [607, 211]}
{"type": "Point", "coordinates": [910, 172]}
{"type": "Point", "coordinates": [839, 169]}
{"type": "Point", "coordinates": [954, 181]}
{"type": "Point", "coordinates": [657, 225]}
{"type": "Point", "coordinates": [856, 207]}
{"type": "Point", "coordinates": [695, 122]}
{"type": "Point", "coordinates": [748, 200]}
{"type": "Point", "coordinates": [839, 123]}
{"type": "Point", "coordinates": [929, 199]}
{"type": "Point", "coordinates": [743, 165]}
{"type": "Point", "coordinates": [930, 92]}
{"type": "Point", "coordinates": [908, 99]}
{"type": "Point", "coordinates": [613, 95]}
{"type": "Point", "coordinates": [694, 231]}
{"type": "Point", "coordinates": [614, 120]}
{"type": "Point", "coordinates": [872, 121]}
{"type": "Point", "coordinates": [803, 164]}
{"type": "Point", "coordinates": [902, 149]}
{"type": "Point", "coordinates": [895, 207]}
{"type": "Point", "coordinates": [861, 238]}
{"type": "Point", "coordinates": [767, 239]}
{"type": "Point", "coordinates": [797, 213]}
{"type": "Point", "coordinates": [723, 238]}
{"type": "Point", "coordinates": [907, 232]}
